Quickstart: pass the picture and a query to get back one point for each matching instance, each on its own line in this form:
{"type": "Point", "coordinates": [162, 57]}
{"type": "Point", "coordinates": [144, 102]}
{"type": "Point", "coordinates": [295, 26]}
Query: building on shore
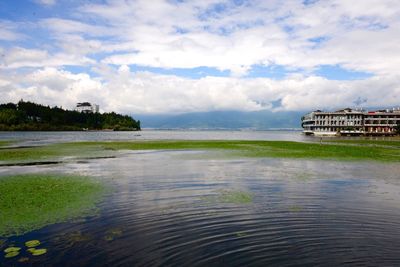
{"type": "Point", "coordinates": [87, 107]}
{"type": "Point", "coordinates": [351, 122]}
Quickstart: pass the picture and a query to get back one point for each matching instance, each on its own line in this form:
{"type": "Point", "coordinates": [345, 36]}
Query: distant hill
{"type": "Point", "coordinates": [28, 116]}
{"type": "Point", "coordinates": [259, 120]}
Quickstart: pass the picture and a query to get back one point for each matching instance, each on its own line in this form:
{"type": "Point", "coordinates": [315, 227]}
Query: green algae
{"type": "Point", "coordinates": [295, 208]}
{"type": "Point", "coordinates": [303, 176]}
{"type": "Point", "coordinates": [230, 197]}
{"type": "Point", "coordinates": [23, 259]}
{"type": "Point", "coordinates": [257, 149]}
{"type": "Point", "coordinates": [236, 197]}
{"type": "Point", "coordinates": [112, 234]}
{"type": "Point", "coordinates": [383, 142]}
{"type": "Point", "coordinates": [241, 234]}
{"type": "Point", "coordinates": [30, 202]}
{"type": "Point", "coordinates": [51, 152]}
{"type": "Point", "coordinates": [68, 240]}
{"type": "Point", "coordinates": [5, 143]}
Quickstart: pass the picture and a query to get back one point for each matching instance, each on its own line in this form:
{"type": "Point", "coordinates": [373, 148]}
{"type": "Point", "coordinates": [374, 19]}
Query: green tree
{"type": "Point", "coordinates": [32, 116]}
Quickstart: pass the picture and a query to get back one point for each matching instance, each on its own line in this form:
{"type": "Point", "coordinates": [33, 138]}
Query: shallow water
{"type": "Point", "coordinates": [165, 211]}
{"type": "Point", "coordinates": [40, 138]}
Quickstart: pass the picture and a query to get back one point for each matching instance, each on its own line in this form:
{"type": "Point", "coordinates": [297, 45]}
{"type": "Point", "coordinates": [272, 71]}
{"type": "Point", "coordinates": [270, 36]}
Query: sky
{"type": "Point", "coordinates": [178, 56]}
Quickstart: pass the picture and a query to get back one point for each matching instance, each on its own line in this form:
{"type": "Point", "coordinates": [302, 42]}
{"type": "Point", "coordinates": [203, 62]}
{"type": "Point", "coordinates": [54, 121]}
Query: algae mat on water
{"type": "Point", "coordinates": [250, 148]}
{"type": "Point", "coordinates": [29, 202]}
{"type": "Point", "coordinates": [4, 143]}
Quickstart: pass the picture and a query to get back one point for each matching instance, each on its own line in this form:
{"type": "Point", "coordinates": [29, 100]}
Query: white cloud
{"type": "Point", "coordinates": [64, 26]}
{"type": "Point", "coordinates": [142, 92]}
{"type": "Point", "coordinates": [361, 36]}
{"type": "Point", "coordinates": [18, 57]}
{"type": "Point", "coordinates": [167, 34]}
{"type": "Point", "coordinates": [8, 31]}
{"type": "Point", "coordinates": [46, 2]}
{"type": "Point", "coordinates": [192, 34]}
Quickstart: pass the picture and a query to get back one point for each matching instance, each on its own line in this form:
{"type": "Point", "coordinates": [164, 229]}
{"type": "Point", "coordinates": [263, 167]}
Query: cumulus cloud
{"type": "Point", "coordinates": [235, 37]}
{"type": "Point", "coordinates": [17, 57]}
{"type": "Point", "coordinates": [105, 38]}
{"type": "Point", "coordinates": [120, 89]}
{"type": "Point", "coordinates": [232, 35]}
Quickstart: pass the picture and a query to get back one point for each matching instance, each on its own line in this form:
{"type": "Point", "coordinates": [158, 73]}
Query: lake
{"type": "Point", "coordinates": [174, 208]}
{"type": "Point", "coordinates": [38, 138]}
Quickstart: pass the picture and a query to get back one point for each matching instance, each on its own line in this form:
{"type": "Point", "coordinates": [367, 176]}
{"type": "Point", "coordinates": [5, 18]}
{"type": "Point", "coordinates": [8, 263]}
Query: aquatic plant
{"type": "Point", "coordinates": [276, 149]}
{"type": "Point", "coordinates": [241, 234]}
{"type": "Point", "coordinates": [23, 259]}
{"type": "Point", "coordinates": [5, 143]}
{"type": "Point", "coordinates": [235, 197]}
{"type": "Point", "coordinates": [29, 202]}
{"type": "Point", "coordinates": [112, 234]}
{"type": "Point", "coordinates": [37, 251]}
{"type": "Point", "coordinates": [54, 152]}
{"type": "Point", "coordinates": [392, 142]}
{"type": "Point", "coordinates": [11, 252]}
{"type": "Point", "coordinates": [12, 249]}
{"type": "Point", "coordinates": [32, 243]}
{"type": "Point", "coordinates": [303, 176]}
{"type": "Point", "coordinates": [295, 208]}
{"type": "Point", "coordinates": [230, 196]}
{"type": "Point", "coordinates": [67, 240]}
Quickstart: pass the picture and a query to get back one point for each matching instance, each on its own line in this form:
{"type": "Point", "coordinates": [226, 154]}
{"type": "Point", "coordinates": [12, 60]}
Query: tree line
{"type": "Point", "coordinates": [29, 116]}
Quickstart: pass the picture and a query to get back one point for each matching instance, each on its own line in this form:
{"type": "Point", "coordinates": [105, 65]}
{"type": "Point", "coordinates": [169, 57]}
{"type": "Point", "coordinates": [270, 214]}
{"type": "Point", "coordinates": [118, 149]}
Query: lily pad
{"type": "Point", "coordinates": [12, 249]}
{"type": "Point", "coordinates": [11, 254]}
{"type": "Point", "coordinates": [31, 250]}
{"type": "Point", "coordinates": [32, 243]}
{"type": "Point", "coordinates": [38, 252]}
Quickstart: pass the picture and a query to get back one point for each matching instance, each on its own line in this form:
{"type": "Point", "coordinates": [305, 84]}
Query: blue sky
{"type": "Point", "coordinates": [166, 56]}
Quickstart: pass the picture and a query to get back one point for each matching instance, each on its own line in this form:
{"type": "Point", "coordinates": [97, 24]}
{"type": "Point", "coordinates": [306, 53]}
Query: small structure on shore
{"type": "Point", "coordinates": [87, 107]}
{"type": "Point", "coordinates": [352, 122]}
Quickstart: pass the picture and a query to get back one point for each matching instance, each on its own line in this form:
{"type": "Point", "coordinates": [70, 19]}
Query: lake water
{"type": "Point", "coordinates": [165, 209]}
{"type": "Point", "coordinates": [38, 138]}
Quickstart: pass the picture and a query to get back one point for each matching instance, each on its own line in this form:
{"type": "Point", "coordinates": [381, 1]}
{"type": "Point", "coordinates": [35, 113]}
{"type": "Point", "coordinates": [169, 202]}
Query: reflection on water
{"type": "Point", "coordinates": [40, 138]}
{"type": "Point", "coordinates": [302, 212]}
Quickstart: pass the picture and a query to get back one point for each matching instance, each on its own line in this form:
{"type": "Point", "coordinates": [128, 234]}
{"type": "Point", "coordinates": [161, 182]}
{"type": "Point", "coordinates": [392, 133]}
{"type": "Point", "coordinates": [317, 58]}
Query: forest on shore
{"type": "Point", "coordinates": [29, 116]}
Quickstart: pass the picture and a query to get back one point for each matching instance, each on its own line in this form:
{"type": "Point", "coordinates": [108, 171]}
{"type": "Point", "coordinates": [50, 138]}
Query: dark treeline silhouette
{"type": "Point", "coordinates": [28, 116]}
